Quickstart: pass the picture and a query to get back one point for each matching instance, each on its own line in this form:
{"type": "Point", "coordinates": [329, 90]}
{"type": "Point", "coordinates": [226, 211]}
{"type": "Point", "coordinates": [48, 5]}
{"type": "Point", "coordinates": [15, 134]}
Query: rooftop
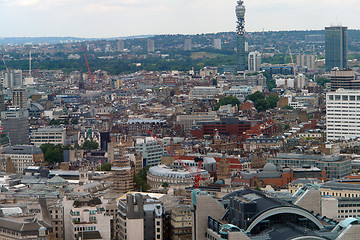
{"type": "Point", "coordinates": [23, 149]}
{"type": "Point", "coordinates": [324, 158]}
{"type": "Point", "coordinates": [165, 171]}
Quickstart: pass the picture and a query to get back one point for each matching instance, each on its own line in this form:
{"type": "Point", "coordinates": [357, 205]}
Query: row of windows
{"type": "Point", "coordinates": [92, 228]}
{"type": "Point", "coordinates": [335, 194]}
{"type": "Point", "coordinates": [47, 137]}
{"type": "Point", "coordinates": [343, 97]}
{"type": "Point", "coordinates": [348, 211]}
{"type": "Point", "coordinates": [346, 216]}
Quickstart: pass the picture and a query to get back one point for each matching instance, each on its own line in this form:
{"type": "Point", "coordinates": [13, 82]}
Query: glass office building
{"type": "Point", "coordinates": [336, 47]}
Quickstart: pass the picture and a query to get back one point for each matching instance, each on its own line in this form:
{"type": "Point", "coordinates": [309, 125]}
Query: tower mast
{"type": "Point", "coordinates": [240, 34]}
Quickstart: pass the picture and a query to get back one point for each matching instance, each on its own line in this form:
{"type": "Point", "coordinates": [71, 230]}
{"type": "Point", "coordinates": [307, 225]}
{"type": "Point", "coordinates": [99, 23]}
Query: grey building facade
{"type": "Point", "coordinates": [16, 125]}
{"type": "Point", "coordinates": [335, 166]}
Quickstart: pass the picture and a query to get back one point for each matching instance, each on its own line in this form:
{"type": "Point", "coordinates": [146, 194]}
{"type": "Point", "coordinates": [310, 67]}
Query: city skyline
{"type": "Point", "coordinates": [38, 18]}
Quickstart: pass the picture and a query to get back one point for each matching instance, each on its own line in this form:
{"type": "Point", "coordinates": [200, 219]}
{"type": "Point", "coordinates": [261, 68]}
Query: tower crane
{"type": "Point", "coordinates": [196, 175]}
{"type": "Point", "coordinates": [292, 62]}
{"type": "Point", "coordinates": [91, 75]}
{"type": "Point", "coordinates": [6, 67]}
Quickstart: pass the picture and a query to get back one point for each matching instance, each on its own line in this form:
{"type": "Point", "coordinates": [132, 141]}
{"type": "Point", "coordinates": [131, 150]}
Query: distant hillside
{"type": "Point", "coordinates": [56, 40]}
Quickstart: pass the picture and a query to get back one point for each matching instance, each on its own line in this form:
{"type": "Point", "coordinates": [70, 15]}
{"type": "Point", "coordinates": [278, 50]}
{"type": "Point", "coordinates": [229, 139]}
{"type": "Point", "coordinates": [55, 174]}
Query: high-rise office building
{"type": "Point", "coordinates": [19, 98]}
{"type": "Point", "coordinates": [16, 125]}
{"type": "Point", "coordinates": [254, 61]}
{"type": "Point", "coordinates": [217, 43]}
{"type": "Point", "coordinates": [150, 45]}
{"type": "Point", "coordinates": [342, 107]}
{"type": "Point", "coordinates": [81, 82]}
{"type": "Point", "coordinates": [336, 47]}
{"type": "Point", "coordinates": [344, 79]}
{"type": "Point", "coordinates": [13, 78]}
{"type": "Point", "coordinates": [187, 44]}
{"type": "Point", "coordinates": [240, 32]}
{"type": "Point", "coordinates": [120, 45]}
{"type": "Point", "coordinates": [2, 102]}
{"type": "Point", "coordinates": [306, 60]}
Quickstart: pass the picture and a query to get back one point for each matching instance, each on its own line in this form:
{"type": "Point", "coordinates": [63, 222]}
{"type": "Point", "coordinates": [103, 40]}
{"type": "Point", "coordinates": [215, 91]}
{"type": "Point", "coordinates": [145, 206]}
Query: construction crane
{"type": "Point", "coordinates": [91, 75]}
{"type": "Point", "coordinates": [196, 175]}
{"type": "Point", "coordinates": [292, 61]}
{"type": "Point", "coordinates": [6, 67]}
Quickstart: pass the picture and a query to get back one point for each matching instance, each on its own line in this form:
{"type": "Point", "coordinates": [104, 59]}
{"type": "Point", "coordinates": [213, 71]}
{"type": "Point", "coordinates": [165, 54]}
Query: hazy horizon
{"type": "Point", "coordinates": [125, 18]}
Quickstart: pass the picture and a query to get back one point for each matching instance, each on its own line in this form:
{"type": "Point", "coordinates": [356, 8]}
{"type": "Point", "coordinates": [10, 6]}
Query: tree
{"type": "Point", "coordinates": [288, 107]}
{"type": "Point", "coordinates": [214, 82]}
{"type": "Point", "coordinates": [172, 92]}
{"type": "Point", "coordinates": [270, 84]}
{"type": "Point", "coordinates": [227, 100]}
{"type": "Point", "coordinates": [321, 81]}
{"type": "Point", "coordinates": [90, 145]}
{"type": "Point", "coordinates": [273, 100]}
{"type": "Point", "coordinates": [74, 121]}
{"type": "Point", "coordinates": [104, 167]}
{"type": "Point", "coordinates": [261, 105]}
{"type": "Point", "coordinates": [52, 153]}
{"type": "Point", "coordinates": [255, 96]}
{"type": "Point", "coordinates": [165, 185]}
{"type": "Point", "coordinates": [141, 180]}
{"type": "Point", "coordinates": [54, 122]}
{"type": "Point", "coordinates": [287, 127]}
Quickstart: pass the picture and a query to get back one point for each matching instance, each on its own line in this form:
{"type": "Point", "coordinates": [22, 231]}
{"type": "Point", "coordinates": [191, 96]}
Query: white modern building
{"type": "Point", "coordinates": [204, 92]}
{"type": "Point", "coordinates": [300, 81]}
{"type": "Point", "coordinates": [150, 149]}
{"type": "Point", "coordinates": [187, 44]}
{"type": "Point", "coordinates": [150, 45]}
{"type": "Point", "coordinates": [240, 92]}
{"type": "Point", "coordinates": [306, 60]}
{"type": "Point", "coordinates": [217, 43]}
{"type": "Point", "coordinates": [140, 217]}
{"type": "Point", "coordinates": [285, 82]}
{"type": "Point", "coordinates": [84, 216]}
{"type": "Point", "coordinates": [13, 78]}
{"type": "Point", "coordinates": [254, 61]}
{"type": "Point", "coordinates": [52, 134]}
{"type": "Point", "coordinates": [342, 114]}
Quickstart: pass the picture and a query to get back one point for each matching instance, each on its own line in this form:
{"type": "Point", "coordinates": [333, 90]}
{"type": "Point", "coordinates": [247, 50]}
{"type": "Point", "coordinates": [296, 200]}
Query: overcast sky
{"type": "Point", "coordinates": [117, 18]}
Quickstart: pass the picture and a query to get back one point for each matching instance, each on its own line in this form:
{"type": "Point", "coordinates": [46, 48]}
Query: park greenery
{"type": "Point", "coordinates": [322, 81]}
{"type": "Point", "coordinates": [104, 167]}
{"type": "Point", "coordinates": [141, 181]}
{"type": "Point", "coordinates": [261, 103]}
{"type": "Point", "coordinates": [53, 153]}
{"type": "Point", "coordinates": [90, 145]}
{"type": "Point", "coordinates": [227, 100]}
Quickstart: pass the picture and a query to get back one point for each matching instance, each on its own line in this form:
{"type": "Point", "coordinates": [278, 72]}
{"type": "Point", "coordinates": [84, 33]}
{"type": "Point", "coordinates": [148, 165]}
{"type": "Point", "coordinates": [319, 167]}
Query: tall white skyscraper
{"type": "Point", "coordinates": [306, 60]}
{"type": "Point", "coordinates": [120, 45]}
{"type": "Point", "coordinates": [254, 61]}
{"type": "Point", "coordinates": [13, 78]}
{"type": "Point", "coordinates": [342, 111]}
{"type": "Point", "coordinates": [150, 45]}
{"type": "Point", "coordinates": [187, 44]}
{"type": "Point", "coordinates": [217, 43]}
